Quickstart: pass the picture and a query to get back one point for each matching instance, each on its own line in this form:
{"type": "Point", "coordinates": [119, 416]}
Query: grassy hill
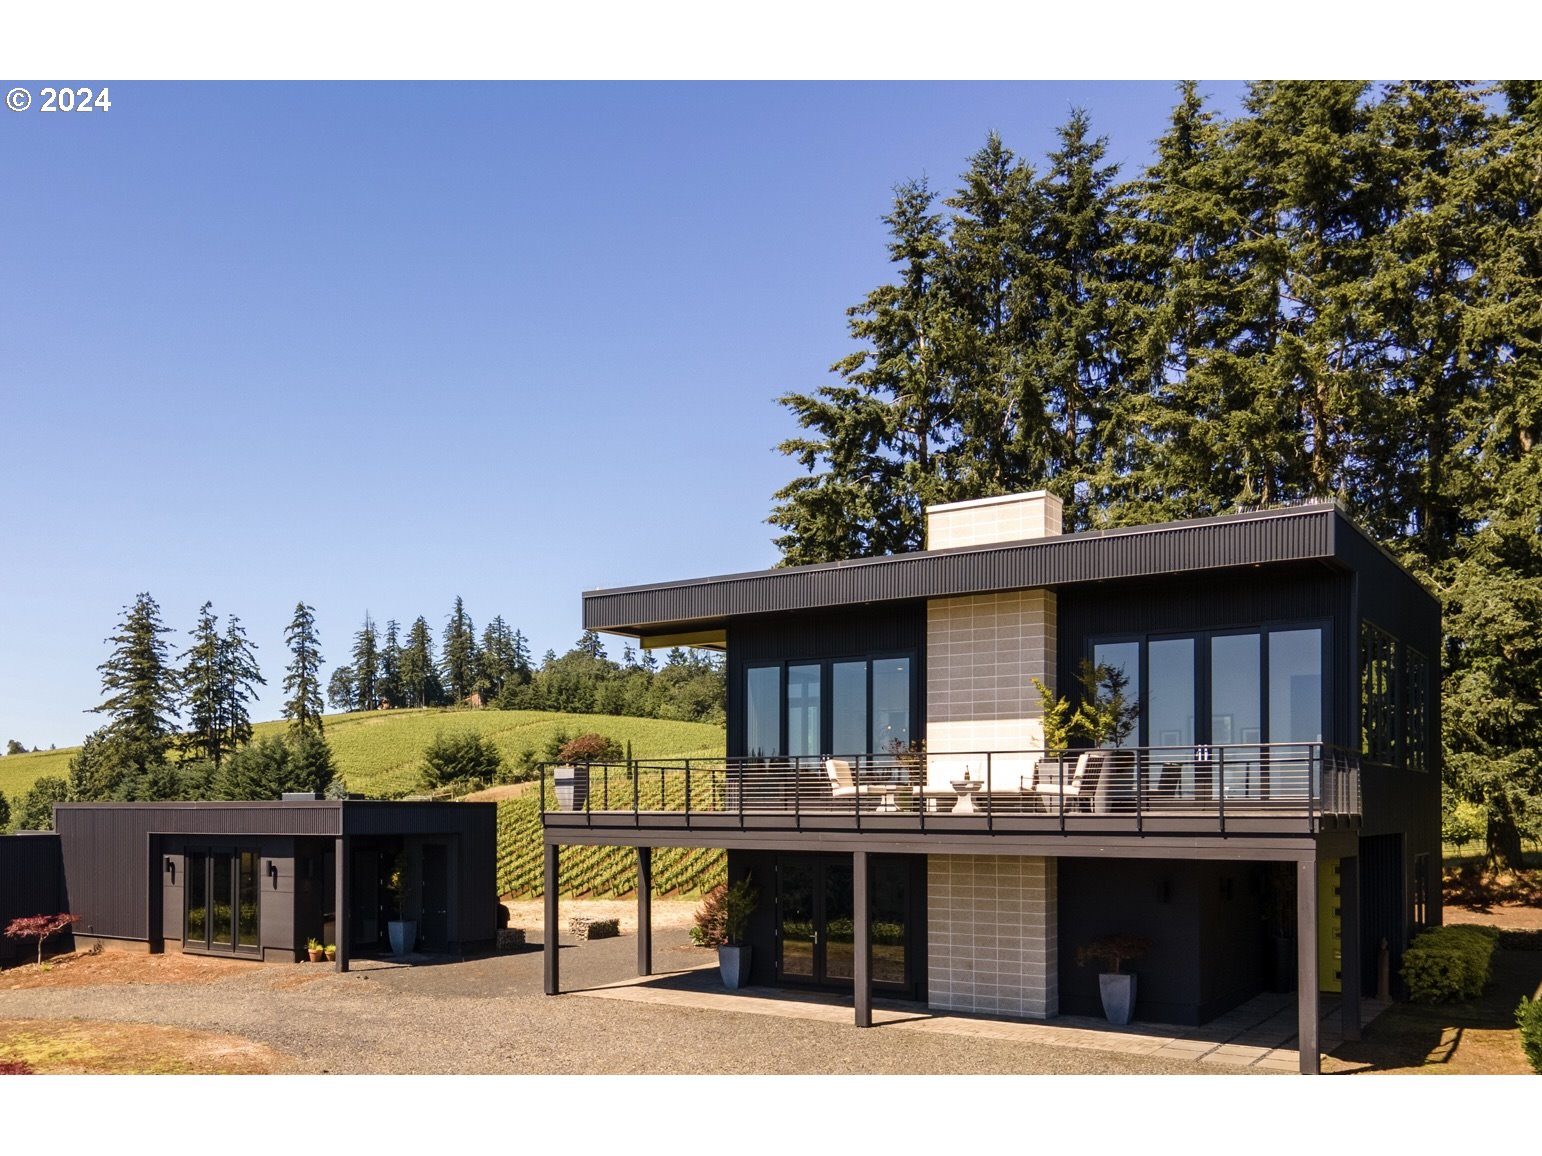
{"type": "Point", "coordinates": [379, 752]}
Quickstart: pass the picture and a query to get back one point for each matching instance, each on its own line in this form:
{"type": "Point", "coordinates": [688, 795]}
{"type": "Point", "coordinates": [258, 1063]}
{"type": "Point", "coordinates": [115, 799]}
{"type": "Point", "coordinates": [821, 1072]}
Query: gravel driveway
{"type": "Point", "coordinates": [489, 1016]}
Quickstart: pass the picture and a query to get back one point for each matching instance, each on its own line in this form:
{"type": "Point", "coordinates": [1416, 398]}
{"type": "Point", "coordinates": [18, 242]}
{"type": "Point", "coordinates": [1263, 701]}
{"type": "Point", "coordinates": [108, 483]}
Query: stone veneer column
{"type": "Point", "coordinates": [991, 935]}
{"type": "Point", "coordinates": [991, 919]}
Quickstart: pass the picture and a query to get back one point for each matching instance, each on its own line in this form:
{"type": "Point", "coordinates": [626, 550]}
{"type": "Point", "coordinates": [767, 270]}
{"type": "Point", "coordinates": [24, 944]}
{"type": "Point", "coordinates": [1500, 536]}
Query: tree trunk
{"type": "Point", "coordinates": [1504, 838]}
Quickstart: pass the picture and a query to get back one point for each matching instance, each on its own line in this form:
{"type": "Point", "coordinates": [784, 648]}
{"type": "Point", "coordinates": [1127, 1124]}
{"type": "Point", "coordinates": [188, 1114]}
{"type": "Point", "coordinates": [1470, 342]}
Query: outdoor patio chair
{"type": "Point", "coordinates": [1083, 781]}
{"type": "Point", "coordinates": [843, 785]}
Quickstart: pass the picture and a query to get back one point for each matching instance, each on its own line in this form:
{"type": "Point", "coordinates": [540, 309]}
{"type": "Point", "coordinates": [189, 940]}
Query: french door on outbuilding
{"type": "Point", "coordinates": [223, 901]}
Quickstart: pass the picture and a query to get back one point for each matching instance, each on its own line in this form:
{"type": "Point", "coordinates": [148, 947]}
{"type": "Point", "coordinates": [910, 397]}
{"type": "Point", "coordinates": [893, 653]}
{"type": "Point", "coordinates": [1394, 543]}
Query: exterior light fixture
{"type": "Point", "coordinates": [273, 873]}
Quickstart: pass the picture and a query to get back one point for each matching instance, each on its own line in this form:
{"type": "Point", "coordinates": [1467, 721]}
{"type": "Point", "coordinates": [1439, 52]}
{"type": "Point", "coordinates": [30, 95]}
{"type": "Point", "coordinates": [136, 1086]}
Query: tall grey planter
{"type": "Point", "coordinates": [572, 787]}
{"type": "Point", "coordinates": [1118, 992]}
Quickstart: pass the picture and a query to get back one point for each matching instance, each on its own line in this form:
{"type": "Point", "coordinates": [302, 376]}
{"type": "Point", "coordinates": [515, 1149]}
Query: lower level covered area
{"type": "Point", "coordinates": [993, 930]}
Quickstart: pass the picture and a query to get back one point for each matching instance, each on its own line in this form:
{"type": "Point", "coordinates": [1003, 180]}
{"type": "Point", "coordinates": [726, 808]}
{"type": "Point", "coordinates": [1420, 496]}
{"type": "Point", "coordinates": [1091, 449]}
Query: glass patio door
{"type": "Point", "coordinates": [816, 940]}
{"type": "Point", "coordinates": [223, 901]}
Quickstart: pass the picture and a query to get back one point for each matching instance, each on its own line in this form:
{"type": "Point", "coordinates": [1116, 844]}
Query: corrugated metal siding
{"type": "Point", "coordinates": [1383, 903]}
{"type": "Point", "coordinates": [1240, 540]}
{"type": "Point", "coordinates": [477, 877]}
{"type": "Point", "coordinates": [107, 867]}
{"type": "Point", "coordinates": [31, 883]}
{"type": "Point", "coordinates": [372, 818]}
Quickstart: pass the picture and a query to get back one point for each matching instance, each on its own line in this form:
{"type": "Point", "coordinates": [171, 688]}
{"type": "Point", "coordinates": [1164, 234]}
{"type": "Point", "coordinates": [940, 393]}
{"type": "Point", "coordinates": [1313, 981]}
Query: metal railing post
{"type": "Point", "coordinates": [1220, 786]}
{"type": "Point", "coordinates": [687, 794]}
{"type": "Point", "coordinates": [990, 811]}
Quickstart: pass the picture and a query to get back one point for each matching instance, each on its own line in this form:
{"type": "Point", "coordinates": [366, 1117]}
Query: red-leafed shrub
{"type": "Point", "coordinates": [39, 927]}
{"type": "Point", "coordinates": [15, 1068]}
{"type": "Point", "coordinates": [591, 748]}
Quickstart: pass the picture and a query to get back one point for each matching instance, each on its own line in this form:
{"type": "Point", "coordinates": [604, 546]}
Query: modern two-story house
{"type": "Point", "coordinates": [1268, 819]}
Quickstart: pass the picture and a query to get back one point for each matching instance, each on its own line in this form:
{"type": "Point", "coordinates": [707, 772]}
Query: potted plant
{"type": "Point", "coordinates": [1116, 986]}
{"type": "Point", "coordinates": [403, 931]}
{"type": "Point", "coordinates": [315, 950]}
{"type": "Point", "coordinates": [721, 922]}
{"type": "Point", "coordinates": [331, 952]}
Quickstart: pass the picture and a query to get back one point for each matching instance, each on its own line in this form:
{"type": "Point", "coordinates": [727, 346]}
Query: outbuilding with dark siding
{"type": "Point", "coordinates": [258, 880]}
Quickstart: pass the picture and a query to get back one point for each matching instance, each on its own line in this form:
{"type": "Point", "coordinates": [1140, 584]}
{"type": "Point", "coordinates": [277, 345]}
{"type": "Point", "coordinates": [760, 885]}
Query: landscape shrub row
{"type": "Point", "coordinates": [1449, 964]}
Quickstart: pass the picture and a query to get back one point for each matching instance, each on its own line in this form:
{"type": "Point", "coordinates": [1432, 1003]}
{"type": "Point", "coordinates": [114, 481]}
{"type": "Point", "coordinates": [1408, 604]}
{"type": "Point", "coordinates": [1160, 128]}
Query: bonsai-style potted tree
{"type": "Point", "coordinates": [1116, 986]}
{"type": "Point", "coordinates": [403, 931]}
{"type": "Point", "coordinates": [721, 922]}
{"type": "Point", "coordinates": [314, 949]}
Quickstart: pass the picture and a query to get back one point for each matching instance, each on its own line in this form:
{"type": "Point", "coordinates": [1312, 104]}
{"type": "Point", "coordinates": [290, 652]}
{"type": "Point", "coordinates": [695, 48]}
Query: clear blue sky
{"type": "Point", "coordinates": [376, 345]}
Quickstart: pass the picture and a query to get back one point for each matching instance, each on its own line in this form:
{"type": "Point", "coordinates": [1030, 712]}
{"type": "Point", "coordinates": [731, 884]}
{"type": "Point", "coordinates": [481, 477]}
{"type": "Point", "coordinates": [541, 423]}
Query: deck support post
{"type": "Point", "coordinates": [645, 911]}
{"type": "Point", "coordinates": [1349, 945]}
{"type": "Point", "coordinates": [549, 921]}
{"type": "Point", "coordinates": [341, 907]}
{"type": "Point", "coordinates": [862, 957]}
{"type": "Point", "coordinates": [1307, 980]}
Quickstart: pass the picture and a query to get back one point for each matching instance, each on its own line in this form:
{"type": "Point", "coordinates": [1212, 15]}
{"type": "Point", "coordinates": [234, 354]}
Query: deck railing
{"type": "Point", "coordinates": [1203, 787]}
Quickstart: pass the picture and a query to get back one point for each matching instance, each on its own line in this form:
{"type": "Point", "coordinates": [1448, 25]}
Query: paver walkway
{"type": "Point", "coordinates": [1259, 1034]}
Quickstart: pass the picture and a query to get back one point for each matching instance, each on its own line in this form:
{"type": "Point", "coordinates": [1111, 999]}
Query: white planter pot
{"type": "Point", "coordinates": [404, 935]}
{"type": "Point", "coordinates": [1118, 992]}
{"type": "Point", "coordinates": [733, 964]}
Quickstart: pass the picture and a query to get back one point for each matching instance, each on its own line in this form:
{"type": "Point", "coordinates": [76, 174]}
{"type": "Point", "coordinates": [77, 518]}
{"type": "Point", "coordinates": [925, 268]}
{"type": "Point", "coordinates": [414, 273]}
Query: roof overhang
{"type": "Point", "coordinates": [704, 606]}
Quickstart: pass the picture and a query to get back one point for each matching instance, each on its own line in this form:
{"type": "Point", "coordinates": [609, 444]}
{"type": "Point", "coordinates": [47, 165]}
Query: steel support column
{"type": "Point", "coordinates": [645, 911]}
{"type": "Point", "coordinates": [1307, 980]}
{"type": "Point", "coordinates": [549, 921]}
{"type": "Point", "coordinates": [341, 907]}
{"type": "Point", "coordinates": [862, 962]}
{"type": "Point", "coordinates": [1349, 945]}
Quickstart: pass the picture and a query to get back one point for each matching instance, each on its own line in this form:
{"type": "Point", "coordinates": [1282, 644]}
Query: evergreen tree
{"type": "Point", "coordinates": [239, 678]}
{"type": "Point", "coordinates": [878, 446]}
{"type": "Point", "coordinates": [521, 656]}
{"type": "Point", "coordinates": [419, 671]}
{"type": "Point", "coordinates": [311, 766]}
{"type": "Point", "coordinates": [5, 813]}
{"type": "Point", "coordinates": [102, 770]}
{"type": "Point", "coordinates": [302, 682]}
{"type": "Point", "coordinates": [203, 688]}
{"type": "Point", "coordinates": [35, 809]}
{"type": "Point", "coordinates": [590, 645]}
{"type": "Point", "coordinates": [140, 685]}
{"type": "Point", "coordinates": [366, 666]}
{"type": "Point", "coordinates": [498, 660]}
{"type": "Point", "coordinates": [459, 664]}
{"type": "Point", "coordinates": [389, 687]}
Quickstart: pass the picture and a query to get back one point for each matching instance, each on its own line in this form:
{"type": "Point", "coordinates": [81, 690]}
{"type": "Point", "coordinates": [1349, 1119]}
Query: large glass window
{"type": "Point", "coordinates": [848, 708]}
{"type": "Point", "coordinates": [223, 899]}
{"type": "Point", "coordinates": [803, 714]}
{"type": "Point", "coordinates": [1295, 686]}
{"type": "Point", "coordinates": [763, 711]}
{"type": "Point", "coordinates": [1236, 708]}
{"type": "Point", "coordinates": [1125, 658]}
{"type": "Point", "coordinates": [891, 704]}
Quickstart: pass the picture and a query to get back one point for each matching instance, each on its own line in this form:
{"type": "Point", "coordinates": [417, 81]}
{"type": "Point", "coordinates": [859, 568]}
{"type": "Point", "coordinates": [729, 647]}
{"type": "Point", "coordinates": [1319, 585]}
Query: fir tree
{"type": "Point", "coordinates": [419, 672]}
{"type": "Point", "coordinates": [202, 688]}
{"type": "Point", "coordinates": [389, 687]}
{"type": "Point", "coordinates": [239, 678]}
{"type": "Point", "coordinates": [459, 664]}
{"type": "Point", "coordinates": [140, 685]}
{"type": "Point", "coordinates": [366, 666]}
{"type": "Point", "coordinates": [302, 682]}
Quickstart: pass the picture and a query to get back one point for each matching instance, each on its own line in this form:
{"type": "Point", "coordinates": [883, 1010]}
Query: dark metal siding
{"type": "Point", "coordinates": [31, 883]}
{"type": "Point", "coordinates": [1383, 904]}
{"type": "Point", "coordinates": [113, 866]}
{"type": "Point", "coordinates": [820, 635]}
{"type": "Point", "coordinates": [1204, 921]}
{"type": "Point", "coordinates": [1239, 540]}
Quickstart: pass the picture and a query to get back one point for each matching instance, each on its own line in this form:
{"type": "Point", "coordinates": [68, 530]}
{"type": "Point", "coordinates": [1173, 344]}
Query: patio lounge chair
{"type": "Point", "coordinates": [843, 785]}
{"type": "Point", "coordinates": [1082, 784]}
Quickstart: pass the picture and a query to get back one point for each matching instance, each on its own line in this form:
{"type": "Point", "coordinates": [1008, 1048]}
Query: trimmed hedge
{"type": "Point", "coordinates": [1449, 964]}
{"type": "Point", "coordinates": [1529, 1018]}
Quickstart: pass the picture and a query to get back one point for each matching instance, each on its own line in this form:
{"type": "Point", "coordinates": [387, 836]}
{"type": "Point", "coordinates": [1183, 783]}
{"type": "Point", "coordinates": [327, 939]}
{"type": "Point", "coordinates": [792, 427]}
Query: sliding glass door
{"type": "Point", "coordinates": [1237, 689]}
{"type": "Point", "coordinates": [847, 706]}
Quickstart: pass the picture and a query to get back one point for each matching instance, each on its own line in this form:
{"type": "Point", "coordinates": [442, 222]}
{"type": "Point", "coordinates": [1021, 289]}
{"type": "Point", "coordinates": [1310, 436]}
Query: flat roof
{"type": "Point", "coordinates": [1315, 532]}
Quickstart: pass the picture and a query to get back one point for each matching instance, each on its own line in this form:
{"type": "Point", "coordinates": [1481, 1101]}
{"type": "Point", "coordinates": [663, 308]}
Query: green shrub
{"type": "Point", "coordinates": [1529, 1018]}
{"type": "Point", "coordinates": [1449, 964]}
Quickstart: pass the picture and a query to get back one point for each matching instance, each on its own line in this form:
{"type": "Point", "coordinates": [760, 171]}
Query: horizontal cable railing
{"type": "Point", "coordinates": [1209, 784]}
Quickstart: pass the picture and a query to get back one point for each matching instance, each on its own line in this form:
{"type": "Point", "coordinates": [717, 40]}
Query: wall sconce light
{"type": "Point", "coordinates": [171, 866]}
{"type": "Point", "coordinates": [273, 873]}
